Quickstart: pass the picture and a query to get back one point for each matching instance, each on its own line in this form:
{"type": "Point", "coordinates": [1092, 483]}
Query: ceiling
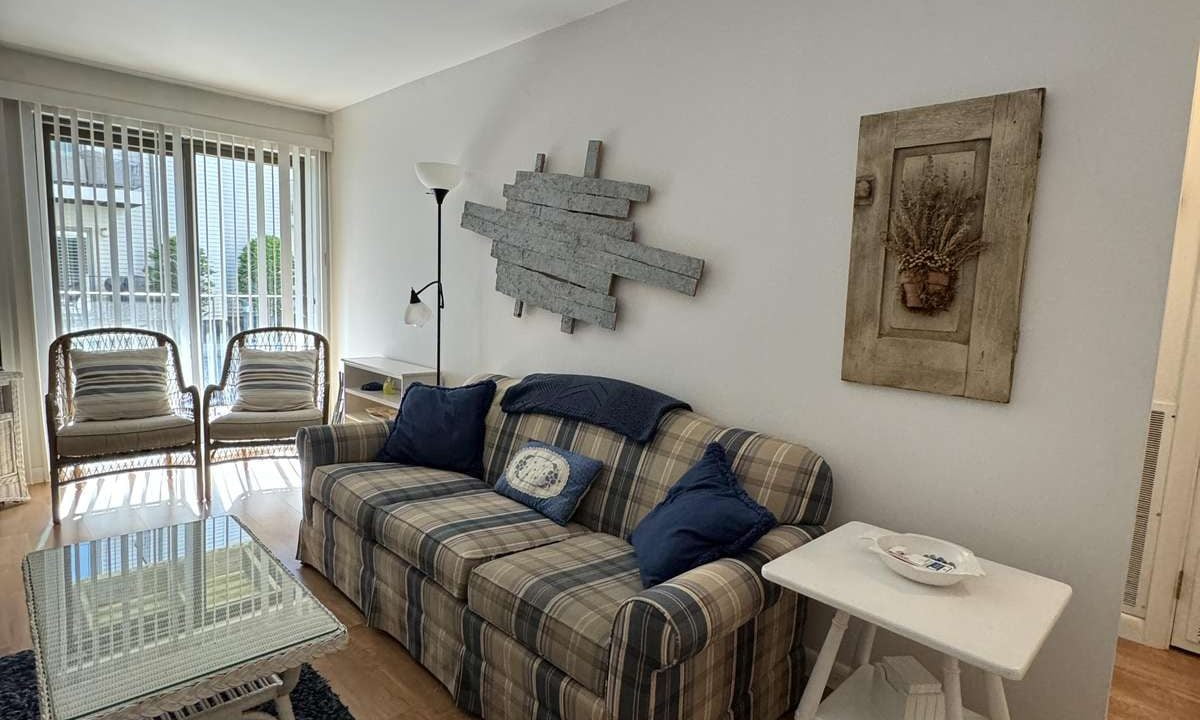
{"type": "Point", "coordinates": [317, 54]}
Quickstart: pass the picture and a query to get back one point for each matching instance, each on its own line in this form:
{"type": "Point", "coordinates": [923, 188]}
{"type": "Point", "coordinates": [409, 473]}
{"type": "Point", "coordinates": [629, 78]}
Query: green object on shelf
{"type": "Point", "coordinates": [389, 387]}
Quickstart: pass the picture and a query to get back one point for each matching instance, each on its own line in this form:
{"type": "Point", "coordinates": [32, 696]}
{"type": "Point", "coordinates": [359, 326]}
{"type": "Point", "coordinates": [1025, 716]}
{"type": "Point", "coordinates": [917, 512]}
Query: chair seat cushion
{"type": "Point", "coordinates": [355, 492]}
{"type": "Point", "coordinates": [249, 425]}
{"type": "Point", "coordinates": [91, 438]}
{"type": "Point", "coordinates": [448, 537]}
{"type": "Point", "coordinates": [560, 601]}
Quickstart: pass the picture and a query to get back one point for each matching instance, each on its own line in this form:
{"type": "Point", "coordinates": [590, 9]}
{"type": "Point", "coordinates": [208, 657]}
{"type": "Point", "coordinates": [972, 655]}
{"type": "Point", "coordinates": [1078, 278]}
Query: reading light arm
{"type": "Point", "coordinates": [441, 298]}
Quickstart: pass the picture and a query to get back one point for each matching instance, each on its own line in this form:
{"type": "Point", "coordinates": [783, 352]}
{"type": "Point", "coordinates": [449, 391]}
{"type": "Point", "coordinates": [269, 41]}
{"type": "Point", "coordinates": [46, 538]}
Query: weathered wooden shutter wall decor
{"type": "Point", "coordinates": [965, 344]}
{"type": "Point", "coordinates": [560, 240]}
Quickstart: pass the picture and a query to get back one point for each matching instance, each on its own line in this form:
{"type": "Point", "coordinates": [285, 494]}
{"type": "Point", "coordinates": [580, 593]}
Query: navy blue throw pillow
{"type": "Point", "coordinates": [441, 428]}
{"type": "Point", "coordinates": [705, 516]}
{"type": "Point", "coordinates": [548, 479]}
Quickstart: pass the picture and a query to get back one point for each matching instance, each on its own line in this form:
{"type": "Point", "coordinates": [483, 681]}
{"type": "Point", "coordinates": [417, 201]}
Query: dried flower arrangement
{"type": "Point", "coordinates": [933, 233]}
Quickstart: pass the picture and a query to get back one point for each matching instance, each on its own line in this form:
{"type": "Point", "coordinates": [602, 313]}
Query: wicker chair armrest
{"type": "Point", "coordinates": [187, 402]}
{"type": "Point", "coordinates": [215, 398]}
{"type": "Point", "coordinates": [56, 416]}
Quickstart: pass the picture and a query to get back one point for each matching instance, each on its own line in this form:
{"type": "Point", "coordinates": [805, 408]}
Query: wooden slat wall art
{"type": "Point", "coordinates": [907, 335]}
{"type": "Point", "coordinates": [561, 239]}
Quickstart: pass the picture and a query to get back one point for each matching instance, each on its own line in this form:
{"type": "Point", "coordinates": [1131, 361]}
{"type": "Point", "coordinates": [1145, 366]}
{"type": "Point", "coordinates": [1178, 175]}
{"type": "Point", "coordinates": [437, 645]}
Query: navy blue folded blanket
{"type": "Point", "coordinates": [625, 408]}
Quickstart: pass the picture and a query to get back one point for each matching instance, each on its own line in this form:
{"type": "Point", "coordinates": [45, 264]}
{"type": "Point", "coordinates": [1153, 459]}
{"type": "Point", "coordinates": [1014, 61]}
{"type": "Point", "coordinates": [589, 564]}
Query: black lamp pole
{"type": "Point", "coordinates": [415, 297]}
{"type": "Point", "coordinates": [440, 178]}
{"type": "Point", "coordinates": [439, 194]}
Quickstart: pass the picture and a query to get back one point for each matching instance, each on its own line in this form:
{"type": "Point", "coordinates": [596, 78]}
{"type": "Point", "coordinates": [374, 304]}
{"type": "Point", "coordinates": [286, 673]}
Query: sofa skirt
{"type": "Point", "coordinates": [492, 675]}
{"type": "Point", "coordinates": [470, 657]}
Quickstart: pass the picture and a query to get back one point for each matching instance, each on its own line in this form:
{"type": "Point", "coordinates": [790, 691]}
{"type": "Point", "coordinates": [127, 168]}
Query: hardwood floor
{"type": "Point", "coordinates": [1150, 684]}
{"type": "Point", "coordinates": [373, 675]}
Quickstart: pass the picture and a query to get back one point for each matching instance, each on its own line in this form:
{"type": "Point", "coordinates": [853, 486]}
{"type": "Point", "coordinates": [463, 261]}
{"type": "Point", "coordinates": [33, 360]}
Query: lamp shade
{"type": "Point", "coordinates": [417, 313]}
{"type": "Point", "coordinates": [439, 175]}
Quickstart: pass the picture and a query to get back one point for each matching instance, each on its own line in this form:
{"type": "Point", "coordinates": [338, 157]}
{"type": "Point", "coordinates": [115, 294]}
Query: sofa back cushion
{"type": "Point", "coordinates": [790, 480]}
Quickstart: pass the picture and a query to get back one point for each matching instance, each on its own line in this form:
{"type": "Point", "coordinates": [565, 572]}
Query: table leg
{"type": "Point", "coordinates": [952, 686]}
{"type": "Point", "coordinates": [818, 679]}
{"type": "Point", "coordinates": [997, 702]}
{"type": "Point", "coordinates": [283, 703]}
{"type": "Point", "coordinates": [866, 642]}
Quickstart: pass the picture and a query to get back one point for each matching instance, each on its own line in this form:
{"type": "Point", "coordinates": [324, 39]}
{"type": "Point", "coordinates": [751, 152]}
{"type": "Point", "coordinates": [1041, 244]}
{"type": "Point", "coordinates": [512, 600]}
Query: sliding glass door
{"type": "Point", "coordinates": [236, 202]}
{"type": "Point", "coordinates": [193, 234]}
{"type": "Point", "coordinates": [114, 234]}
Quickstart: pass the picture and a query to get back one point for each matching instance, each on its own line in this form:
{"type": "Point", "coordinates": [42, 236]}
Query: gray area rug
{"type": "Point", "coordinates": [311, 700]}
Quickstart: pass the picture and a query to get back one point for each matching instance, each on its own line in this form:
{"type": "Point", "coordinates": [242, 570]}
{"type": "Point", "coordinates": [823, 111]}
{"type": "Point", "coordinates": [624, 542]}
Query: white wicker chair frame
{"type": "Point", "coordinates": [219, 398]}
{"type": "Point", "coordinates": [185, 401]}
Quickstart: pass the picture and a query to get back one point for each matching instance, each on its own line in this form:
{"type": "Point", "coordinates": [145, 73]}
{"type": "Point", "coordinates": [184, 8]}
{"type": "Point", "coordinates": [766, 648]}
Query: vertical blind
{"type": "Point", "coordinates": [195, 234]}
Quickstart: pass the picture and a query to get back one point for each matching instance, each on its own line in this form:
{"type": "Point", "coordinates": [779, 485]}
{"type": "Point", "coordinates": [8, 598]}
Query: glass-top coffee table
{"type": "Point", "coordinates": [197, 620]}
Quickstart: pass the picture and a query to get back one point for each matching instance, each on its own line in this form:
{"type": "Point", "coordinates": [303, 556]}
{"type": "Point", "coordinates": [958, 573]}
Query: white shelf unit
{"type": "Point", "coordinates": [372, 405]}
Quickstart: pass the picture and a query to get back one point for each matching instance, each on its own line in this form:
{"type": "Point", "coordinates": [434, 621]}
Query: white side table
{"type": "Point", "coordinates": [996, 623]}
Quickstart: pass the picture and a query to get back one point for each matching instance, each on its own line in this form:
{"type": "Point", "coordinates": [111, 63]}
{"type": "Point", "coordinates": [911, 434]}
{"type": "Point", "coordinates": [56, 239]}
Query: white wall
{"type": "Point", "coordinates": [743, 118]}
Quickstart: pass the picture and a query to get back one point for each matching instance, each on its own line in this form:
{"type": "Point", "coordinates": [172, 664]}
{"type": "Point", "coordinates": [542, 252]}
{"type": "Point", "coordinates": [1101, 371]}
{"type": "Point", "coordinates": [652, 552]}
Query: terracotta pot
{"type": "Point", "coordinates": [912, 284]}
{"type": "Point", "coordinates": [937, 280]}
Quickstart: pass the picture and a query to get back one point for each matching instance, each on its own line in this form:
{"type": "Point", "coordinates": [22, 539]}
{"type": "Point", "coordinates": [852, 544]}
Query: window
{"type": "Point", "coordinates": [249, 254]}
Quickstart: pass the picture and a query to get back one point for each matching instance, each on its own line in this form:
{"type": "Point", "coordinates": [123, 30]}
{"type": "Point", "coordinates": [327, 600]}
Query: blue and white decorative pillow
{"type": "Point", "coordinates": [548, 479]}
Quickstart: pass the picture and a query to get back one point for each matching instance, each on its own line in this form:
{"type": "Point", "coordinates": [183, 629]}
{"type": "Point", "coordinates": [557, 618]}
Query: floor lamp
{"type": "Point", "coordinates": [440, 178]}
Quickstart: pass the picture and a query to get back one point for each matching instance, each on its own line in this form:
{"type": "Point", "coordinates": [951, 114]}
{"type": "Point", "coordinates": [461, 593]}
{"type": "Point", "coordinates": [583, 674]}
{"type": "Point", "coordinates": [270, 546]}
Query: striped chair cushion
{"type": "Point", "coordinates": [276, 380]}
{"type": "Point", "coordinates": [126, 384]}
{"type": "Point", "coordinates": [560, 601]}
{"type": "Point", "coordinates": [790, 480]}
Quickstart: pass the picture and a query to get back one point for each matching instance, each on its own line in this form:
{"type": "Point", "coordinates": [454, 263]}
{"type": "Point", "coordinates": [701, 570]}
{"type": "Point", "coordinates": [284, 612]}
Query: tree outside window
{"type": "Point", "coordinates": [247, 273]}
{"type": "Point", "coordinates": [154, 274]}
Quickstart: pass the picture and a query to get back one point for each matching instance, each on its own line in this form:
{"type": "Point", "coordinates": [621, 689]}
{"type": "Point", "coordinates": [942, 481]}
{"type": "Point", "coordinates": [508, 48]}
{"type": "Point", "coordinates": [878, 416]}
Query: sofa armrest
{"type": "Point", "coordinates": [666, 624]}
{"type": "Point", "coordinates": [329, 444]}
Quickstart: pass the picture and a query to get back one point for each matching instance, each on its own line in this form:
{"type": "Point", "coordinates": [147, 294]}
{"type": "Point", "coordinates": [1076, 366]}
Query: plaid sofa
{"type": "Point", "coordinates": [522, 618]}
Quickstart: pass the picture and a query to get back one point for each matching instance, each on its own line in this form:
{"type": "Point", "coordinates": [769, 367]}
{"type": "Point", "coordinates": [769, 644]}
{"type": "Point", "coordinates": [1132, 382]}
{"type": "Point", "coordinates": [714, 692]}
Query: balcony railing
{"type": "Point", "coordinates": [222, 315]}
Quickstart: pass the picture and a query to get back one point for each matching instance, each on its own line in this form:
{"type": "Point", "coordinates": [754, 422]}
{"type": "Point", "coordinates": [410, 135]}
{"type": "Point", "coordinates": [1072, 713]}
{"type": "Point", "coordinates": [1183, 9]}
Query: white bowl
{"type": "Point", "coordinates": [963, 562]}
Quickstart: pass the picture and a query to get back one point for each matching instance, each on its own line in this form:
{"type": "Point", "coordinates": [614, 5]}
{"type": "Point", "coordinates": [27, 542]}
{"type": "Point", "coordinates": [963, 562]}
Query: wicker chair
{"type": "Point", "coordinates": [91, 448]}
{"type": "Point", "coordinates": [260, 435]}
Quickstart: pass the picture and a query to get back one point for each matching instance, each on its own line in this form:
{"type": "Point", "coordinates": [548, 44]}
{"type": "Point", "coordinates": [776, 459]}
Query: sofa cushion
{"type": "Point", "coordinates": [448, 537]}
{"type": "Point", "coordinates": [91, 438]}
{"type": "Point", "coordinates": [560, 601]}
{"type": "Point", "coordinates": [251, 425]}
{"type": "Point", "coordinates": [356, 491]}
